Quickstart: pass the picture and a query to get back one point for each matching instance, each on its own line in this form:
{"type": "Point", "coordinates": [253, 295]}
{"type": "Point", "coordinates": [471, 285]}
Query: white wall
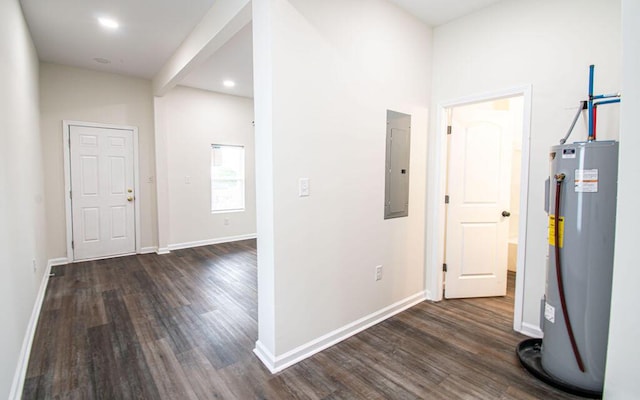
{"type": "Point", "coordinates": [68, 93]}
{"type": "Point", "coordinates": [22, 226]}
{"type": "Point", "coordinates": [621, 380]}
{"type": "Point", "coordinates": [192, 120]}
{"type": "Point", "coordinates": [322, 93]}
{"type": "Point", "coordinates": [548, 44]}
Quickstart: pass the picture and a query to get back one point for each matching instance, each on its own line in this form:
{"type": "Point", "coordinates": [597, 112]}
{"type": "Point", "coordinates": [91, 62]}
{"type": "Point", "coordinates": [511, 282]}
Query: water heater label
{"type": "Point", "coordinates": [552, 230]}
{"type": "Point", "coordinates": [586, 181]}
{"type": "Point", "coordinates": [549, 313]}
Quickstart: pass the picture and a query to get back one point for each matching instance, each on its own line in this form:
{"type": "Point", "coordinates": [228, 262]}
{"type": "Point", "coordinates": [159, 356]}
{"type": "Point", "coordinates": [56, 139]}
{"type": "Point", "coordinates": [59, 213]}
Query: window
{"type": "Point", "coordinates": [227, 178]}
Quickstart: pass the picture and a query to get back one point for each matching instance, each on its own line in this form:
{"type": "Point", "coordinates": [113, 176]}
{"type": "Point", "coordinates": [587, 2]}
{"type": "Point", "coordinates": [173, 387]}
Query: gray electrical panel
{"type": "Point", "coordinates": [396, 187]}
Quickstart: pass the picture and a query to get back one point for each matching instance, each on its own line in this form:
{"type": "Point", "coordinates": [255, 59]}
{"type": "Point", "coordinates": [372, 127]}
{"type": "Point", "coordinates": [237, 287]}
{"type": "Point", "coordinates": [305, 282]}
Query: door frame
{"type": "Point", "coordinates": [66, 124]}
{"type": "Point", "coordinates": [436, 258]}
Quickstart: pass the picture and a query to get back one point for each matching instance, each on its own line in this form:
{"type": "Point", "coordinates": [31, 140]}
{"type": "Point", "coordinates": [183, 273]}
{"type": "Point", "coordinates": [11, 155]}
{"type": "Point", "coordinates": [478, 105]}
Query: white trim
{"type": "Point", "coordinates": [530, 330]}
{"type": "Point", "coordinates": [518, 318]}
{"type": "Point", "coordinates": [136, 186]}
{"type": "Point", "coordinates": [67, 186]}
{"type": "Point", "coordinates": [163, 250]}
{"type": "Point", "coordinates": [265, 356]}
{"type": "Point", "coordinates": [105, 257]}
{"type": "Point", "coordinates": [23, 361]}
{"type": "Point", "coordinates": [279, 363]}
{"type": "Point", "coordinates": [437, 213]}
{"type": "Point", "coordinates": [148, 250]}
{"type": "Point", "coordinates": [54, 262]}
{"type": "Point", "coordinates": [66, 124]}
{"type": "Point", "coordinates": [435, 261]}
{"type": "Point", "coordinates": [198, 243]}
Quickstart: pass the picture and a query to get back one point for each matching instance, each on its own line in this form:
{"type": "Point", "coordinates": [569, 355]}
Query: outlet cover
{"type": "Point", "coordinates": [379, 272]}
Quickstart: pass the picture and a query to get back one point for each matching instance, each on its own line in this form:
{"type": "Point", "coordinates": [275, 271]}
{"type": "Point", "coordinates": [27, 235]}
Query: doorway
{"type": "Point", "coordinates": [483, 185]}
{"type": "Point", "coordinates": [101, 181]}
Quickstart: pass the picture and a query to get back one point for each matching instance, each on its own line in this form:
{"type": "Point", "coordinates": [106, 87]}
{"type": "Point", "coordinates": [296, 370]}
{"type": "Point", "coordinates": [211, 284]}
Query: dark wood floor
{"type": "Point", "coordinates": [183, 326]}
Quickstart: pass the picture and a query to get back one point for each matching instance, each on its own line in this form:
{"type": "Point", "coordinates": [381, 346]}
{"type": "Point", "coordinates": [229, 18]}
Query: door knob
{"type": "Point", "coordinates": [130, 198]}
{"type": "Point", "coordinates": [506, 214]}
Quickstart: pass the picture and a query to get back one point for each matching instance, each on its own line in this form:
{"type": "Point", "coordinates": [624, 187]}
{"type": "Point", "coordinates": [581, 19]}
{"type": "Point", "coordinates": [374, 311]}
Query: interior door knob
{"type": "Point", "coordinates": [506, 214]}
{"type": "Point", "coordinates": [130, 198]}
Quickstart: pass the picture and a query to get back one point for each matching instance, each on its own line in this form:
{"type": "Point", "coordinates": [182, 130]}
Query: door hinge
{"type": "Point", "coordinates": [70, 194]}
{"type": "Point", "coordinates": [72, 245]}
{"type": "Point", "coordinates": [448, 129]}
{"type": "Point", "coordinates": [444, 267]}
{"type": "Point", "coordinates": [446, 199]}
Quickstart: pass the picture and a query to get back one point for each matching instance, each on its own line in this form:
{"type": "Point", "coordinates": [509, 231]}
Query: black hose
{"type": "Point", "coordinates": [563, 303]}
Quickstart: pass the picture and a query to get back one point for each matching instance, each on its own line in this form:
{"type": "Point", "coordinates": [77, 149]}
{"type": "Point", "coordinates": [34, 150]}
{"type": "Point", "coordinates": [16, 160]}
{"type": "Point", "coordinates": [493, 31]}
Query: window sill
{"type": "Point", "coordinates": [228, 211]}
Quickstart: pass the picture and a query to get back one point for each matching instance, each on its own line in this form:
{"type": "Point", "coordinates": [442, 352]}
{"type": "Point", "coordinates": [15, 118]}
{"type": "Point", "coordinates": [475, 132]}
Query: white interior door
{"type": "Point", "coordinates": [102, 191]}
{"type": "Point", "coordinates": [479, 192]}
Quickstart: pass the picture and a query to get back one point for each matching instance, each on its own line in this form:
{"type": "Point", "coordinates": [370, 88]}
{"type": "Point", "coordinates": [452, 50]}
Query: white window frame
{"type": "Point", "coordinates": [242, 180]}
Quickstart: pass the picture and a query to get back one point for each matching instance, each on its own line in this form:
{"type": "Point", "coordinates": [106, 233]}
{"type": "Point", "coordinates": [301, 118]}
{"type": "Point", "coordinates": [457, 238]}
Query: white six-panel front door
{"type": "Point", "coordinates": [102, 191]}
{"type": "Point", "coordinates": [479, 191]}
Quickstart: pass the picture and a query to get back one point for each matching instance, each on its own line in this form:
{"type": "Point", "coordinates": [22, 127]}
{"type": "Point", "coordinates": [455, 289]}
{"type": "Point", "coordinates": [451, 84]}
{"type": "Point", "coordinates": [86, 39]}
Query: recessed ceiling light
{"type": "Point", "coordinates": [229, 83]}
{"type": "Point", "coordinates": [108, 23]}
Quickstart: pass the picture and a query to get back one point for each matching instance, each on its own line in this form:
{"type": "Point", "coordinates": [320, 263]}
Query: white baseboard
{"type": "Point", "coordinates": [279, 363]}
{"type": "Point", "coordinates": [23, 361]}
{"type": "Point", "coordinates": [198, 243]}
{"type": "Point", "coordinates": [428, 296]}
{"type": "Point", "coordinates": [265, 356]}
{"type": "Point", "coordinates": [147, 250]}
{"type": "Point", "coordinates": [57, 261]}
{"type": "Point", "coordinates": [163, 250]}
{"type": "Point", "coordinates": [531, 330]}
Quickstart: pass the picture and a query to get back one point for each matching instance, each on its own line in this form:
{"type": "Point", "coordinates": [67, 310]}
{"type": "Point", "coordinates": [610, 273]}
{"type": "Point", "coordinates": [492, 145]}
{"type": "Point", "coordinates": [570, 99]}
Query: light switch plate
{"type": "Point", "coordinates": [303, 187]}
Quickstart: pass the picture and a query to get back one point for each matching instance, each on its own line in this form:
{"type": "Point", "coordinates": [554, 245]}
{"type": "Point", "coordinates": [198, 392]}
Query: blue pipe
{"type": "Point", "coordinates": [606, 96]}
{"type": "Point", "coordinates": [590, 105]}
{"type": "Point", "coordinates": [591, 68]}
{"type": "Point", "coordinates": [599, 103]}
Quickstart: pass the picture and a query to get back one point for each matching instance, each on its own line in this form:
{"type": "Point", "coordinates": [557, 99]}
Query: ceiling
{"type": "Point", "coordinates": [233, 61]}
{"type": "Point", "coordinates": [438, 12]}
{"type": "Point", "coordinates": [67, 32]}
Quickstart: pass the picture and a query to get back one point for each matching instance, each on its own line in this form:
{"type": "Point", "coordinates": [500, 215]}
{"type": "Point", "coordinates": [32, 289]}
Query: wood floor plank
{"type": "Point", "coordinates": [132, 377]}
{"type": "Point", "coordinates": [167, 371]}
{"type": "Point", "coordinates": [206, 381]}
{"type": "Point", "coordinates": [183, 326]}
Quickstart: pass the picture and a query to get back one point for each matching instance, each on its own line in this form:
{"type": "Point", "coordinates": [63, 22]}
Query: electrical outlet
{"type": "Point", "coordinates": [378, 272]}
{"type": "Point", "coordinates": [35, 266]}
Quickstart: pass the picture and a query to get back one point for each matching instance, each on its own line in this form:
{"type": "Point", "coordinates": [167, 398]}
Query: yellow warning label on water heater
{"type": "Point", "coordinates": [552, 230]}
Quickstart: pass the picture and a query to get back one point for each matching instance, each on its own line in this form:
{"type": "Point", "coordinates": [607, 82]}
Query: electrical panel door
{"type": "Point", "coordinates": [396, 202]}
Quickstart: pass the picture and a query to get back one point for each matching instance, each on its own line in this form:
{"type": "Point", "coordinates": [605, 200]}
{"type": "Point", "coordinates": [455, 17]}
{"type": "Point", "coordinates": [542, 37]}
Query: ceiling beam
{"type": "Point", "coordinates": [223, 20]}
